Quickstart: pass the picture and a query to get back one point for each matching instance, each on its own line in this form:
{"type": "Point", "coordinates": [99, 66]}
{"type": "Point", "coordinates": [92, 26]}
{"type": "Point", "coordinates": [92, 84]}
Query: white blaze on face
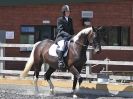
{"type": "Point", "coordinates": [84, 31]}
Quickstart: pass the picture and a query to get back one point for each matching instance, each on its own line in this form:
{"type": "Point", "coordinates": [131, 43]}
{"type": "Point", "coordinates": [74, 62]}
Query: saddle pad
{"type": "Point", "coordinates": [52, 50]}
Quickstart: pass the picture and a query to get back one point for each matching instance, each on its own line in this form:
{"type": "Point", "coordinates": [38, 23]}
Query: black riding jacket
{"type": "Point", "coordinates": [64, 28]}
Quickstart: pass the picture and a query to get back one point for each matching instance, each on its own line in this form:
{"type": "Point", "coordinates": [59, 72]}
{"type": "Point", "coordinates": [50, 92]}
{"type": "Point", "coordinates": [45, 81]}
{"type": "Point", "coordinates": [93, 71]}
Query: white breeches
{"type": "Point", "coordinates": [61, 45]}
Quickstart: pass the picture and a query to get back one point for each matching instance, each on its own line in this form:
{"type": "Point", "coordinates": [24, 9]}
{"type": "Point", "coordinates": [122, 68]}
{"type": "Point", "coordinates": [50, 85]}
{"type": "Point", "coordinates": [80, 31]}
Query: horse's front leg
{"type": "Point", "coordinates": [77, 80]}
{"type": "Point", "coordinates": [74, 83]}
{"type": "Point", "coordinates": [74, 87]}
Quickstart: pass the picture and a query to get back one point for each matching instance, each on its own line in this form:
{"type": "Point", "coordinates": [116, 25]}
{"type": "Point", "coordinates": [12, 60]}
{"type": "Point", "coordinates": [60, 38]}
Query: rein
{"type": "Point", "coordinates": [81, 44]}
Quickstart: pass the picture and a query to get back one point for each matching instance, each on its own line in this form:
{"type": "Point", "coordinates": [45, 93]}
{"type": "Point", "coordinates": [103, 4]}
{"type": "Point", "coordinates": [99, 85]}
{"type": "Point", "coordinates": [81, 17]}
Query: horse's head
{"type": "Point", "coordinates": [88, 36]}
{"type": "Point", "coordinates": [96, 39]}
{"type": "Point", "coordinates": [93, 38]}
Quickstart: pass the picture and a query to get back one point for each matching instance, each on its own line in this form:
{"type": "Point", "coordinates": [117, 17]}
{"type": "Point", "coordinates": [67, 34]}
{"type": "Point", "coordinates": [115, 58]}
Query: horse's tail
{"type": "Point", "coordinates": [29, 62]}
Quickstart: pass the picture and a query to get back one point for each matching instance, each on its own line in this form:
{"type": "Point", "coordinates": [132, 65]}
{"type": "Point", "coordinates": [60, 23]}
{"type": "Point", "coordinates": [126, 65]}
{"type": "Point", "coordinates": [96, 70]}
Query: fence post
{"type": "Point", "coordinates": [88, 66]}
{"type": "Point", "coordinates": [107, 67]}
{"type": "Point", "coordinates": [2, 63]}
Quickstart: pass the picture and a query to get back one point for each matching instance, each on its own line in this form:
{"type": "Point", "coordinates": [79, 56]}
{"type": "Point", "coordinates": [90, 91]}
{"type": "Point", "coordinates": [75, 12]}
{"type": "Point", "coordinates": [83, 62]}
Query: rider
{"type": "Point", "coordinates": [65, 32]}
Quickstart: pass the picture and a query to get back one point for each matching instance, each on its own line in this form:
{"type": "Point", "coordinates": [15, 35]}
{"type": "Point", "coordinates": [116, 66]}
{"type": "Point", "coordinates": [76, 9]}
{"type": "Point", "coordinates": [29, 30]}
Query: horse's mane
{"type": "Point", "coordinates": [83, 31]}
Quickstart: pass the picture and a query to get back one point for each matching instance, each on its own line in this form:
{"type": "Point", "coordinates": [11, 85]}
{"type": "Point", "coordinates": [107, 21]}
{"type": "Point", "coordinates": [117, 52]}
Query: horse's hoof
{"type": "Point", "coordinates": [75, 96]}
{"type": "Point", "coordinates": [52, 92]}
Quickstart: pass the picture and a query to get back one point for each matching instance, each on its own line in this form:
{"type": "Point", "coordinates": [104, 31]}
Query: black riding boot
{"type": "Point", "coordinates": [60, 59]}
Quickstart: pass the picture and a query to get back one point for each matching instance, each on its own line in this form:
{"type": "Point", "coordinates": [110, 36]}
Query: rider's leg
{"type": "Point", "coordinates": [60, 52]}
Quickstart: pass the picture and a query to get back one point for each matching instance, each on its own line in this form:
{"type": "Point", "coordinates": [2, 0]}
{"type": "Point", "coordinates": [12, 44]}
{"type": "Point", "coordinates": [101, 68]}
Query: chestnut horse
{"type": "Point", "coordinates": [74, 61]}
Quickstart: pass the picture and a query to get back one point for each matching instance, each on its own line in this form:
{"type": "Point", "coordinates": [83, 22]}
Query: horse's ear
{"type": "Point", "coordinates": [99, 28]}
{"type": "Point", "coordinates": [94, 29]}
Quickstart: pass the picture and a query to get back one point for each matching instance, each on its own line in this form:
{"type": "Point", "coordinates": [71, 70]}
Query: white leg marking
{"type": "Point", "coordinates": [51, 86]}
{"type": "Point", "coordinates": [36, 86]}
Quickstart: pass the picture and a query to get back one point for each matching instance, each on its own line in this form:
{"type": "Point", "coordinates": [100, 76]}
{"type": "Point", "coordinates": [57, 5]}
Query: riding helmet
{"type": "Point", "coordinates": [65, 8]}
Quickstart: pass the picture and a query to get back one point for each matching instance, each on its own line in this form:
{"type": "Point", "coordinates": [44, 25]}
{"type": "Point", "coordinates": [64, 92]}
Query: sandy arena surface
{"type": "Point", "coordinates": [28, 92]}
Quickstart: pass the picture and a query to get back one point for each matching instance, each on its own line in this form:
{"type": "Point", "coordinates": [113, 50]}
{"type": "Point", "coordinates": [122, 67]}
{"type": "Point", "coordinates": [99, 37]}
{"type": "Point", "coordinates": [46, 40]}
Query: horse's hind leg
{"type": "Point", "coordinates": [47, 77]}
{"type": "Point", "coordinates": [36, 74]}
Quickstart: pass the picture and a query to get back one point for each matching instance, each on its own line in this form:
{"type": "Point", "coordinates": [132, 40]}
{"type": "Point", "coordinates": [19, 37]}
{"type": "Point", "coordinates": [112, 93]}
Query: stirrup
{"type": "Point", "coordinates": [61, 64]}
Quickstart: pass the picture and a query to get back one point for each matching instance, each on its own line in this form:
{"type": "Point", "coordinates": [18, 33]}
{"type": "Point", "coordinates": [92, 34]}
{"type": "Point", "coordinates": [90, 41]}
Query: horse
{"type": "Point", "coordinates": [74, 60]}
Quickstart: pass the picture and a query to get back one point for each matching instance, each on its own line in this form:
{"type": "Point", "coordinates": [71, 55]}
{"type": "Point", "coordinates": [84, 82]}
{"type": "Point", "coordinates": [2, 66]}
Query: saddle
{"type": "Point", "coordinates": [52, 49]}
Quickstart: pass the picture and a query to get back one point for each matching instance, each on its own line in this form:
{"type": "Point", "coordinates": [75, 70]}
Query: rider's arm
{"type": "Point", "coordinates": [72, 30]}
{"type": "Point", "coordinates": [60, 28]}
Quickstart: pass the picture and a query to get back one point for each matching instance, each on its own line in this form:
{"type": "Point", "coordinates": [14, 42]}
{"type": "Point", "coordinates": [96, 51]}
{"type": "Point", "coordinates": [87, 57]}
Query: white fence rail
{"type": "Point", "coordinates": [89, 62]}
{"type": "Point", "coordinates": [13, 58]}
{"type": "Point", "coordinates": [127, 48]}
{"type": "Point", "coordinates": [108, 62]}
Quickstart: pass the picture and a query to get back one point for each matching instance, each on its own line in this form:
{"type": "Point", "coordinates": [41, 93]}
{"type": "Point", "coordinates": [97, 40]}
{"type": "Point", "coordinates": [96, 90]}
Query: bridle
{"type": "Point", "coordinates": [81, 44]}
